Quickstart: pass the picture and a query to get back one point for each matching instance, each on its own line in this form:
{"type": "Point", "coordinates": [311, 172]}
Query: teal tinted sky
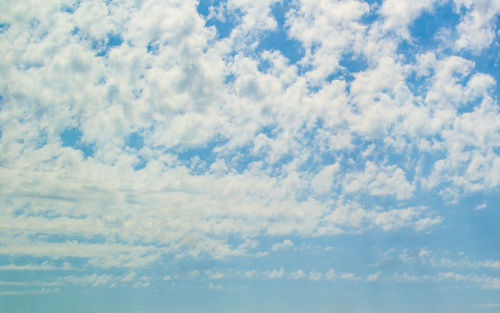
{"type": "Point", "coordinates": [250, 156]}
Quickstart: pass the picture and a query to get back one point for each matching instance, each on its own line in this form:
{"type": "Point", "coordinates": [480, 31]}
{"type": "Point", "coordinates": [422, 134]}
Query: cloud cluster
{"type": "Point", "coordinates": [134, 130]}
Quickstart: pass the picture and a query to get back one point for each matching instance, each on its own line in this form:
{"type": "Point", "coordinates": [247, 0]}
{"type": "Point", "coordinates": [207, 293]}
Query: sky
{"type": "Point", "coordinates": [183, 156]}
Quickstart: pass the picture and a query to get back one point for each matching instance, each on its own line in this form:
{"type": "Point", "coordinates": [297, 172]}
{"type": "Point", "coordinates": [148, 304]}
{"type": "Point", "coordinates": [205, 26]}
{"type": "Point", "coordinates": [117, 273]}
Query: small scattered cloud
{"type": "Point", "coordinates": [27, 292]}
{"type": "Point", "coordinates": [349, 276]}
{"type": "Point", "coordinates": [424, 254]}
{"type": "Point", "coordinates": [406, 257]}
{"type": "Point", "coordinates": [276, 273]}
{"type": "Point", "coordinates": [214, 286]}
{"type": "Point", "coordinates": [373, 277]}
{"type": "Point", "coordinates": [215, 275]}
{"type": "Point", "coordinates": [330, 274]}
{"type": "Point", "coordinates": [130, 276]}
{"type": "Point", "coordinates": [490, 264]}
{"type": "Point", "coordinates": [299, 274]}
{"type": "Point", "coordinates": [314, 276]}
{"type": "Point", "coordinates": [250, 274]}
{"type": "Point", "coordinates": [480, 207]}
{"type": "Point", "coordinates": [286, 244]}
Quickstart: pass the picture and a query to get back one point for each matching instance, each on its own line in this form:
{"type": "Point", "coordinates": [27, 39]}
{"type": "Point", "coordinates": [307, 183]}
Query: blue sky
{"type": "Point", "coordinates": [250, 156]}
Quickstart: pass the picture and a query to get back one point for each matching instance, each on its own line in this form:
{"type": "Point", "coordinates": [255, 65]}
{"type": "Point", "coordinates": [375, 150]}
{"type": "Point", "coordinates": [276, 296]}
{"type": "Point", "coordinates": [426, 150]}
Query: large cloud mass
{"type": "Point", "coordinates": [135, 130]}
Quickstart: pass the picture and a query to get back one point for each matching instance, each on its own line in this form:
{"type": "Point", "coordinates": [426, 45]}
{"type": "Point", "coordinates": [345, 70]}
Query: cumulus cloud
{"type": "Point", "coordinates": [286, 244]}
{"type": "Point", "coordinates": [130, 276]}
{"type": "Point", "coordinates": [215, 275]}
{"type": "Point", "coordinates": [477, 28]}
{"type": "Point", "coordinates": [314, 276]}
{"type": "Point", "coordinates": [480, 207]}
{"type": "Point", "coordinates": [298, 274]}
{"type": "Point", "coordinates": [250, 274]}
{"type": "Point", "coordinates": [214, 286]}
{"type": "Point", "coordinates": [380, 181]}
{"type": "Point", "coordinates": [349, 276]}
{"type": "Point", "coordinates": [330, 274]}
{"type": "Point", "coordinates": [276, 273]}
{"type": "Point", "coordinates": [136, 131]}
{"type": "Point", "coordinates": [398, 15]}
{"type": "Point", "coordinates": [373, 277]}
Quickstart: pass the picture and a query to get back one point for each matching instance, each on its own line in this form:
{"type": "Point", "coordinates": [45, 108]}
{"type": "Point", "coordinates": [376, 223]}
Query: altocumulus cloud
{"type": "Point", "coordinates": [137, 131]}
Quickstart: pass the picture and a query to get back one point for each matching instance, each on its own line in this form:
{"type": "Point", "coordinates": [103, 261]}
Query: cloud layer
{"type": "Point", "coordinates": [135, 131]}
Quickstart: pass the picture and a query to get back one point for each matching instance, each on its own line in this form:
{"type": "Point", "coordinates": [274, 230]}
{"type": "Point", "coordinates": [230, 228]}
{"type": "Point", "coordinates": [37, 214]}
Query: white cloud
{"type": "Point", "coordinates": [286, 149]}
{"type": "Point", "coordinates": [101, 255]}
{"type": "Point", "coordinates": [424, 254]}
{"type": "Point", "coordinates": [385, 180]}
{"type": "Point", "coordinates": [399, 14]}
{"type": "Point", "coordinates": [143, 282]}
{"type": "Point", "coordinates": [286, 244]}
{"type": "Point", "coordinates": [405, 277]}
{"type": "Point", "coordinates": [45, 266]}
{"type": "Point", "coordinates": [251, 274]}
{"type": "Point", "coordinates": [94, 280]}
{"type": "Point", "coordinates": [26, 292]}
{"type": "Point", "coordinates": [471, 280]}
{"type": "Point", "coordinates": [299, 274]}
{"type": "Point", "coordinates": [276, 273]}
{"type": "Point", "coordinates": [427, 222]}
{"type": "Point", "coordinates": [129, 277]}
{"type": "Point", "coordinates": [477, 28]}
{"type": "Point", "coordinates": [349, 276]}
{"type": "Point", "coordinates": [491, 264]}
{"type": "Point", "coordinates": [214, 286]}
{"type": "Point", "coordinates": [314, 276]}
{"type": "Point", "coordinates": [332, 27]}
{"type": "Point", "coordinates": [28, 283]}
{"type": "Point", "coordinates": [485, 282]}
{"type": "Point", "coordinates": [352, 215]}
{"type": "Point", "coordinates": [330, 274]}
{"type": "Point", "coordinates": [323, 181]}
{"type": "Point", "coordinates": [215, 275]}
{"type": "Point", "coordinates": [373, 277]}
{"type": "Point", "coordinates": [480, 207]}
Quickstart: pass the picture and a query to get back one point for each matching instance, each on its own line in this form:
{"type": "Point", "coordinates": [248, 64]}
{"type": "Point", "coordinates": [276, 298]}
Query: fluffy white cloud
{"type": "Point", "coordinates": [398, 15]}
{"type": "Point", "coordinates": [250, 274]}
{"type": "Point", "coordinates": [282, 245]}
{"type": "Point", "coordinates": [215, 275]}
{"type": "Point", "coordinates": [299, 274]}
{"type": "Point", "coordinates": [385, 180]}
{"type": "Point", "coordinates": [349, 276]}
{"type": "Point", "coordinates": [323, 181]}
{"type": "Point", "coordinates": [236, 140]}
{"type": "Point", "coordinates": [330, 274]}
{"type": "Point", "coordinates": [314, 276]}
{"type": "Point", "coordinates": [276, 273]}
{"type": "Point", "coordinates": [373, 277]}
{"type": "Point", "coordinates": [477, 28]}
{"type": "Point", "coordinates": [214, 286]}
